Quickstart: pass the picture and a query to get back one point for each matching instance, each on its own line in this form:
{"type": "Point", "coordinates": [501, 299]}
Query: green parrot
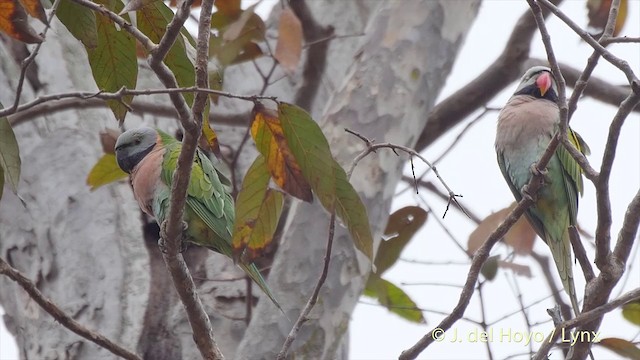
{"type": "Point", "coordinates": [150, 156]}
{"type": "Point", "coordinates": [526, 125]}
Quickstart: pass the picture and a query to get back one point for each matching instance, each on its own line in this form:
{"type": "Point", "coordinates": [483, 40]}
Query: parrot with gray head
{"type": "Point", "coordinates": [150, 156]}
{"type": "Point", "coordinates": [526, 125]}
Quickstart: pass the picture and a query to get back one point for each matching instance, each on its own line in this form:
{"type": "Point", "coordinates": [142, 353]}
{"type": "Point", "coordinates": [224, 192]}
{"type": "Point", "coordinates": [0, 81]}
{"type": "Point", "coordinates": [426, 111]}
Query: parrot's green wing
{"type": "Point", "coordinates": [572, 173]}
{"type": "Point", "coordinates": [206, 194]}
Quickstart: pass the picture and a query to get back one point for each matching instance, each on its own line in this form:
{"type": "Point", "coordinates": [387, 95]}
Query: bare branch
{"type": "Point", "coordinates": [118, 95]}
{"type": "Point", "coordinates": [583, 318]}
{"type": "Point", "coordinates": [60, 316]}
{"type": "Point", "coordinates": [502, 72]}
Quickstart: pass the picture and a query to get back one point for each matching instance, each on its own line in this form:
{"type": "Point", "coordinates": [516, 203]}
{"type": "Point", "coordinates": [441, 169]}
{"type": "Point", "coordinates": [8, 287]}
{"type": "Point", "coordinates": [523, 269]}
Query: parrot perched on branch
{"type": "Point", "coordinates": [526, 125]}
{"type": "Point", "coordinates": [151, 157]}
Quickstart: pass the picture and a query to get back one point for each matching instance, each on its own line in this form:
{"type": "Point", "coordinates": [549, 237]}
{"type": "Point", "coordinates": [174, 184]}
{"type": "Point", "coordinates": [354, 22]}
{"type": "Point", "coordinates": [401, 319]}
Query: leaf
{"type": "Point", "coordinates": [267, 133]}
{"type": "Point", "coordinates": [490, 267]}
{"type": "Point", "coordinates": [520, 237]}
{"type": "Point", "coordinates": [393, 298]}
{"type": "Point", "coordinates": [230, 49]}
{"type": "Point", "coordinates": [113, 62]}
{"type": "Point", "coordinates": [326, 177]}
{"type": "Point", "coordinates": [402, 225]}
{"type": "Point", "coordinates": [15, 23]}
{"type": "Point", "coordinates": [237, 27]}
{"type": "Point", "coordinates": [258, 210]}
{"type": "Point", "coordinates": [289, 46]}
{"type": "Point", "coordinates": [80, 21]}
{"type": "Point", "coordinates": [35, 9]}
{"type": "Point", "coordinates": [631, 312]}
{"type": "Point", "coordinates": [135, 5]}
{"type": "Point", "coordinates": [518, 269]}
{"type": "Point", "coordinates": [108, 139]}
{"type": "Point", "coordinates": [9, 154]}
{"type": "Point", "coordinates": [216, 79]}
{"type": "Point", "coordinates": [621, 347]}
{"type": "Point", "coordinates": [209, 135]}
{"type": "Point", "coordinates": [152, 21]}
{"type": "Point", "coordinates": [599, 14]}
{"type": "Point", "coordinates": [104, 172]}
{"type": "Point", "coordinates": [228, 7]}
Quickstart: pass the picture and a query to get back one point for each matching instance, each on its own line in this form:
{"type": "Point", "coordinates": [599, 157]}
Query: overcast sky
{"type": "Point", "coordinates": [471, 170]}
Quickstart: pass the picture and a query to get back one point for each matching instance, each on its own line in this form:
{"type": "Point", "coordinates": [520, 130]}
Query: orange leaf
{"type": "Point", "coordinates": [267, 133]}
{"type": "Point", "coordinates": [599, 14]}
{"type": "Point", "coordinates": [289, 47]}
{"type": "Point", "coordinates": [210, 136]}
{"type": "Point", "coordinates": [15, 23]}
{"type": "Point", "coordinates": [520, 237]}
{"type": "Point", "coordinates": [35, 9]}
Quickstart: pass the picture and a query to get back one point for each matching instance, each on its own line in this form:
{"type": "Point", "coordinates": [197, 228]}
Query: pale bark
{"type": "Point", "coordinates": [85, 250]}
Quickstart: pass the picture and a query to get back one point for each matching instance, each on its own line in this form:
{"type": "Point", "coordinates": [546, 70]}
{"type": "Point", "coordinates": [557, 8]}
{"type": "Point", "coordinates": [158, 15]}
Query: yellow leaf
{"type": "Point", "coordinates": [268, 135]}
{"type": "Point", "coordinates": [599, 14]}
{"type": "Point", "coordinates": [289, 46]}
{"type": "Point", "coordinates": [104, 172]}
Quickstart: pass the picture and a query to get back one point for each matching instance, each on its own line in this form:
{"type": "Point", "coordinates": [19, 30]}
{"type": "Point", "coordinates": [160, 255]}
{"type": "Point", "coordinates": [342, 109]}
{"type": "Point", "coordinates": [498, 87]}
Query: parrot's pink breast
{"type": "Point", "coordinates": [145, 179]}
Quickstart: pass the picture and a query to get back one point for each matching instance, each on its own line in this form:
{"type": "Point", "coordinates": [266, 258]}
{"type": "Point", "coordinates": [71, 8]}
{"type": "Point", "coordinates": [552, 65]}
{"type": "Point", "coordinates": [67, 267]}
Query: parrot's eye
{"type": "Point", "coordinates": [137, 141]}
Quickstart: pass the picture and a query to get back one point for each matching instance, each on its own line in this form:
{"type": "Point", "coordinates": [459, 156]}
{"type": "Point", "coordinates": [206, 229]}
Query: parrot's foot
{"type": "Point", "coordinates": [538, 172]}
{"type": "Point", "coordinates": [527, 194]}
{"type": "Point", "coordinates": [163, 235]}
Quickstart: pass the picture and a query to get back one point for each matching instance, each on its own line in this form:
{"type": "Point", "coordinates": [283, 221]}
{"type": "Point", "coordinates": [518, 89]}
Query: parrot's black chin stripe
{"type": "Point", "coordinates": [129, 161]}
{"type": "Point", "coordinates": [534, 91]}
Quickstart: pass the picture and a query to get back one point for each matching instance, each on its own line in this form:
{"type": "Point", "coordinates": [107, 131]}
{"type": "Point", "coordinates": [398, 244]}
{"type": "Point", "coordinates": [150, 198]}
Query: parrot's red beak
{"type": "Point", "coordinates": [544, 82]}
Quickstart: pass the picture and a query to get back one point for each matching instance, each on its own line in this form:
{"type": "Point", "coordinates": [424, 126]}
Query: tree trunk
{"type": "Point", "coordinates": [85, 250]}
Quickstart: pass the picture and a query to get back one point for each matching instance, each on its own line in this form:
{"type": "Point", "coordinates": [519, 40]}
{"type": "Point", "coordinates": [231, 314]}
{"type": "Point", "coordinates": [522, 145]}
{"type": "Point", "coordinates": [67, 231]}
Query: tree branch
{"type": "Point", "coordinates": [60, 316]}
{"type": "Point", "coordinates": [582, 319]}
{"type": "Point", "coordinates": [502, 72]}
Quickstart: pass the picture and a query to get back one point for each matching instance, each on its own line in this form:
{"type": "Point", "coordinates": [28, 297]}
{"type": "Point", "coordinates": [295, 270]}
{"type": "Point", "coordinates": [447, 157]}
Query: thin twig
{"type": "Point", "coordinates": [31, 58]}
{"type": "Point", "coordinates": [60, 316]}
{"type": "Point", "coordinates": [314, 295]}
{"type": "Point", "coordinates": [371, 147]}
{"type": "Point", "coordinates": [85, 95]}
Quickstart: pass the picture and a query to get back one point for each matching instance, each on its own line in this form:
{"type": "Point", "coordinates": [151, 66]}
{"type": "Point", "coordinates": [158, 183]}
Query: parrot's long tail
{"type": "Point", "coordinates": [254, 274]}
{"type": "Point", "coordinates": [561, 251]}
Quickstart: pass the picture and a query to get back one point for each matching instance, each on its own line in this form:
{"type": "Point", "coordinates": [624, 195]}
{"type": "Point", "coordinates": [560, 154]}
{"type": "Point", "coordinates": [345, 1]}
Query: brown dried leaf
{"type": "Point", "coordinates": [520, 237]}
{"type": "Point", "coordinates": [35, 9]}
{"type": "Point", "coordinates": [599, 13]}
{"type": "Point", "coordinates": [518, 269]}
{"type": "Point", "coordinates": [15, 23]}
{"type": "Point", "coordinates": [235, 29]}
{"type": "Point", "coordinates": [108, 139]}
{"type": "Point", "coordinates": [289, 47]}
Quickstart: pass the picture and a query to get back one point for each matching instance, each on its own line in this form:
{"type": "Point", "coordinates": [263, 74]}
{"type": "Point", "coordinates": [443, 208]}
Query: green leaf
{"type": "Point", "coordinates": [152, 21]}
{"type": "Point", "coordinates": [113, 62]}
{"type": "Point", "coordinates": [490, 267]}
{"type": "Point", "coordinates": [393, 298]}
{"type": "Point", "coordinates": [9, 154]}
{"type": "Point", "coordinates": [631, 312]}
{"type": "Point", "coordinates": [621, 347]}
{"type": "Point", "coordinates": [104, 172]}
{"type": "Point", "coordinates": [402, 225]}
{"type": "Point", "coordinates": [258, 210]}
{"type": "Point", "coordinates": [326, 177]}
{"type": "Point", "coordinates": [80, 21]}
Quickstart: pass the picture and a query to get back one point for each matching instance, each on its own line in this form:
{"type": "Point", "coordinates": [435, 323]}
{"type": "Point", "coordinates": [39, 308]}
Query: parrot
{"type": "Point", "coordinates": [526, 125]}
{"type": "Point", "coordinates": [150, 156]}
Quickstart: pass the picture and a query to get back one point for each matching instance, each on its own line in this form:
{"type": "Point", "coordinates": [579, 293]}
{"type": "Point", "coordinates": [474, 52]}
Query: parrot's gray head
{"type": "Point", "coordinates": [133, 145]}
{"type": "Point", "coordinates": [539, 83]}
